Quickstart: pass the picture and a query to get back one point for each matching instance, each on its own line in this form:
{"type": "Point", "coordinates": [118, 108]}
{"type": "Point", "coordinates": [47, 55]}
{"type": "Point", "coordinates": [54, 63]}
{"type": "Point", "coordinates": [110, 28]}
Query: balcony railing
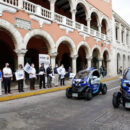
{"type": "Point", "coordinates": [52, 16]}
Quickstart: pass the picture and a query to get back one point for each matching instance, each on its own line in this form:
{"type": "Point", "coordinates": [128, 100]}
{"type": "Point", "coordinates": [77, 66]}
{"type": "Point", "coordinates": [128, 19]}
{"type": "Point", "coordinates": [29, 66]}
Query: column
{"type": "Point", "coordinates": [20, 4]}
{"type": "Point", "coordinates": [73, 13]}
{"type": "Point", "coordinates": [89, 61]}
{"type": "Point", "coordinates": [129, 38]}
{"type": "Point", "coordinates": [100, 30]}
{"type": "Point", "coordinates": [74, 64]}
{"type": "Point", "coordinates": [113, 30]}
{"type": "Point", "coordinates": [124, 39]}
{"type": "Point", "coordinates": [100, 62]}
{"type": "Point", "coordinates": [21, 54]}
{"type": "Point", "coordinates": [53, 59]}
{"type": "Point", "coordinates": [52, 8]}
{"type": "Point", "coordinates": [119, 33]}
{"type": "Point", "coordinates": [88, 24]}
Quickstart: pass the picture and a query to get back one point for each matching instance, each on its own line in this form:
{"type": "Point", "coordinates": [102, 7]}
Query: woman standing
{"type": "Point", "coordinates": [20, 74]}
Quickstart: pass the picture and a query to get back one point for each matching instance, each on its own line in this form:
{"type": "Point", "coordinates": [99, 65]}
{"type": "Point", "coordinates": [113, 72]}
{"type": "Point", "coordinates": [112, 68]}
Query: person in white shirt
{"type": "Point", "coordinates": [7, 76]}
{"type": "Point", "coordinates": [62, 76]}
{"type": "Point", "coordinates": [32, 77]}
{"type": "Point", "coordinates": [20, 73]}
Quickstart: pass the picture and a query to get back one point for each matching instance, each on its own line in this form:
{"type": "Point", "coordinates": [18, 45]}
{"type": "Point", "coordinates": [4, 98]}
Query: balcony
{"type": "Point", "coordinates": [46, 14]}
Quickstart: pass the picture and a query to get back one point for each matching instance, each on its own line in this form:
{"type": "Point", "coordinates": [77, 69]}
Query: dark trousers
{"type": "Point", "coordinates": [20, 85]}
{"type": "Point", "coordinates": [62, 82]}
{"type": "Point", "coordinates": [42, 81]}
{"type": "Point", "coordinates": [7, 82]}
{"type": "Point", "coordinates": [49, 80]}
{"type": "Point", "coordinates": [32, 83]}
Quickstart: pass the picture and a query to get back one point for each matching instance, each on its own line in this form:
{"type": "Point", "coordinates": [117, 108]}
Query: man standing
{"type": "Point", "coordinates": [42, 76]}
{"type": "Point", "coordinates": [7, 75]}
{"type": "Point", "coordinates": [49, 76]}
{"type": "Point", "coordinates": [32, 77]}
{"type": "Point", "coordinates": [56, 75]}
{"type": "Point", "coordinates": [62, 76]}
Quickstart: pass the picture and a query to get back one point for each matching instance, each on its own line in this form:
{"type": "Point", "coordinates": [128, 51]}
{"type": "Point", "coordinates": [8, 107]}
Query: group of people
{"type": "Point", "coordinates": [51, 74]}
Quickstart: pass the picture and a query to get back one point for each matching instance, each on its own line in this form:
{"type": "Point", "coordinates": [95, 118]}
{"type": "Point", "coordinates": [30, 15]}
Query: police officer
{"type": "Point", "coordinates": [42, 76]}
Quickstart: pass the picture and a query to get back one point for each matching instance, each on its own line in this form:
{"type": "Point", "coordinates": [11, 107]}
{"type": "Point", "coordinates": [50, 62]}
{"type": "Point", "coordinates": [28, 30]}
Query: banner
{"type": "Point", "coordinates": [43, 58]}
{"type": "Point", "coordinates": [72, 75]}
{"type": "Point", "coordinates": [27, 68]}
{"type": "Point", "coordinates": [19, 75]}
{"type": "Point", "coordinates": [59, 70]}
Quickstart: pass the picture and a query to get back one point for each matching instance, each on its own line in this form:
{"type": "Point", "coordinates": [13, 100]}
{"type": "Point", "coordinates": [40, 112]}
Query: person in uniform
{"type": "Point", "coordinates": [7, 76]}
{"type": "Point", "coordinates": [42, 76]}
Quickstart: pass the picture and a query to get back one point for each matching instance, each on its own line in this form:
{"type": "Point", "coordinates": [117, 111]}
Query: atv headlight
{"type": "Point", "coordinates": [84, 82]}
{"type": "Point", "coordinates": [124, 84]}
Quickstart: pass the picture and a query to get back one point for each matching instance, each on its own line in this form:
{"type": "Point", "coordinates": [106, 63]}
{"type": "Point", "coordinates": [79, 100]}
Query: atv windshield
{"type": "Point", "coordinates": [127, 75]}
{"type": "Point", "coordinates": [82, 74]}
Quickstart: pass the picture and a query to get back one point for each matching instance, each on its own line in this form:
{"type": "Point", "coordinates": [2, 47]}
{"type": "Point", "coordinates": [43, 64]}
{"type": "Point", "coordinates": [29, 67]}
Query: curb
{"type": "Point", "coordinates": [28, 94]}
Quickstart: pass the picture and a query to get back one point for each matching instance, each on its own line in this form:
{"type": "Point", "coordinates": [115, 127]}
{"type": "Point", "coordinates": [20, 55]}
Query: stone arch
{"type": "Point", "coordinates": [15, 34]}
{"type": "Point", "coordinates": [99, 49]}
{"type": "Point", "coordinates": [93, 10]}
{"type": "Point", "coordinates": [85, 44]}
{"type": "Point", "coordinates": [83, 2]}
{"type": "Point", "coordinates": [68, 40]}
{"type": "Point", "coordinates": [105, 50]}
{"type": "Point", "coordinates": [42, 33]}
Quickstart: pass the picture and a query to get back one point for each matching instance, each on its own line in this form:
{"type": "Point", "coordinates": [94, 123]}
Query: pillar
{"type": "Point", "coordinates": [88, 24]}
{"type": "Point", "coordinates": [119, 33]}
{"type": "Point", "coordinates": [20, 4]}
{"type": "Point", "coordinates": [21, 53]}
{"type": "Point", "coordinates": [74, 64]}
{"type": "Point", "coordinates": [108, 67]}
{"type": "Point", "coordinates": [125, 33]}
{"type": "Point", "coordinates": [53, 59]}
{"type": "Point", "coordinates": [100, 62]}
{"type": "Point", "coordinates": [89, 61]}
{"type": "Point", "coordinates": [52, 8]}
{"type": "Point", "coordinates": [73, 13]}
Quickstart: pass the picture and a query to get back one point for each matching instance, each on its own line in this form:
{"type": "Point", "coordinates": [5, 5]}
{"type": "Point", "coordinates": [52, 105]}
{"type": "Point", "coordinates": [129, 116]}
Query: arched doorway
{"type": "Point", "coordinates": [63, 7]}
{"type": "Point", "coordinates": [94, 21]}
{"type": "Point", "coordinates": [81, 60]}
{"type": "Point", "coordinates": [36, 45]}
{"type": "Point", "coordinates": [81, 14]}
{"type": "Point", "coordinates": [104, 26]}
{"type": "Point", "coordinates": [105, 60]}
{"type": "Point", "coordinates": [95, 58]}
{"type": "Point", "coordinates": [128, 61]}
{"type": "Point", "coordinates": [43, 3]}
{"type": "Point", "coordinates": [64, 55]}
{"type": "Point", "coordinates": [118, 62]}
{"type": "Point", "coordinates": [124, 62]}
{"type": "Point", "coordinates": [7, 50]}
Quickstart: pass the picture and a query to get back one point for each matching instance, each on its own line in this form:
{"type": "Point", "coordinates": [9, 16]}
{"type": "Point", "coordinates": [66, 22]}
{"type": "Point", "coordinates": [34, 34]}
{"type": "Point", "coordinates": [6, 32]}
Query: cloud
{"type": "Point", "coordinates": [122, 7]}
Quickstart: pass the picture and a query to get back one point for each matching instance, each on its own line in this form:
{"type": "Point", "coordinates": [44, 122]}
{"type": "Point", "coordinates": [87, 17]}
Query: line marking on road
{"type": "Point", "coordinates": [113, 88]}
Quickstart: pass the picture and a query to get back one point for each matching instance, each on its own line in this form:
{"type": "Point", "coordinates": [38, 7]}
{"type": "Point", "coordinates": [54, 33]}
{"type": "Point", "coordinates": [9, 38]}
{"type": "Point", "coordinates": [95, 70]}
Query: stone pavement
{"type": "Point", "coordinates": [27, 92]}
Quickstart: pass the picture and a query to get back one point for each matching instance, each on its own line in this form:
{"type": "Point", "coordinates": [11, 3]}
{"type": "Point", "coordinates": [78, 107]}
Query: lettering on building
{"type": "Point", "coordinates": [21, 23]}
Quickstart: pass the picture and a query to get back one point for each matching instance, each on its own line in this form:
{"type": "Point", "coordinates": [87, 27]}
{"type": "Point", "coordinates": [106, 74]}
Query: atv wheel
{"type": "Point", "coordinates": [88, 95]}
{"type": "Point", "coordinates": [116, 100]}
{"type": "Point", "coordinates": [68, 93]}
{"type": "Point", "coordinates": [104, 89]}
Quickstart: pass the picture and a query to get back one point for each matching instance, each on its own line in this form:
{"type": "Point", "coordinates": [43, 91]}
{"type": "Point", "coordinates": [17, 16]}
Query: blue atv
{"type": "Point", "coordinates": [86, 84]}
{"type": "Point", "coordinates": [123, 96]}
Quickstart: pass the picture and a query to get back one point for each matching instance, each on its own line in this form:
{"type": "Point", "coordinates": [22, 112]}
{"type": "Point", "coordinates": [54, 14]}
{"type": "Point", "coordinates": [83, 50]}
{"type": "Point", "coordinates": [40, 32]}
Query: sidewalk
{"type": "Point", "coordinates": [16, 95]}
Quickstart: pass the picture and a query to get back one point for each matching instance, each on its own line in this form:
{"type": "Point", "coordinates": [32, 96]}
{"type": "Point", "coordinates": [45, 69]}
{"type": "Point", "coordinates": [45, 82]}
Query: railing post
{"type": "Point", "coordinates": [20, 4]}
{"type": "Point", "coordinates": [52, 8]}
{"type": "Point", "coordinates": [38, 10]}
{"type": "Point", "coordinates": [64, 20]}
{"type": "Point", "coordinates": [82, 27]}
{"type": "Point", "coordinates": [73, 13]}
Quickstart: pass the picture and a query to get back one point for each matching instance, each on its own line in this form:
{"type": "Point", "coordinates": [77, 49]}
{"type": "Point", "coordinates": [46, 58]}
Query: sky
{"type": "Point", "coordinates": [122, 7]}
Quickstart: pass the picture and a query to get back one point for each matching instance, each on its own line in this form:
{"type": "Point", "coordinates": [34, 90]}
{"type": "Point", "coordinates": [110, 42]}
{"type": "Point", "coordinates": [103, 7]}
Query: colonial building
{"type": "Point", "coordinates": [120, 47]}
{"type": "Point", "coordinates": [75, 33]}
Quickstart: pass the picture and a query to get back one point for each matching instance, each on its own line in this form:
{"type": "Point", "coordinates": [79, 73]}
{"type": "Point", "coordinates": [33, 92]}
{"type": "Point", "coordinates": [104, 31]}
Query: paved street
{"type": "Point", "coordinates": [54, 111]}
